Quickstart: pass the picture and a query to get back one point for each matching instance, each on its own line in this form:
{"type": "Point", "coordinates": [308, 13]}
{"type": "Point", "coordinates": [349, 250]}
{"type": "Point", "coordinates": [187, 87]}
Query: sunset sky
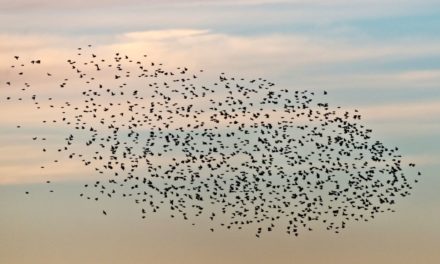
{"type": "Point", "coordinates": [381, 57]}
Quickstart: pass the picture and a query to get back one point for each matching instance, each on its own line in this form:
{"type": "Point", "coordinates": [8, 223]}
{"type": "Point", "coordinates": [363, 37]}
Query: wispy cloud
{"type": "Point", "coordinates": [412, 112]}
{"type": "Point", "coordinates": [269, 55]}
{"type": "Point", "coordinates": [21, 163]}
{"type": "Point", "coordinates": [45, 4]}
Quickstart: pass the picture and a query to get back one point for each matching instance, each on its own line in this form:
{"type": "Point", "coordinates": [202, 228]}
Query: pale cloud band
{"type": "Point", "coordinates": [290, 59]}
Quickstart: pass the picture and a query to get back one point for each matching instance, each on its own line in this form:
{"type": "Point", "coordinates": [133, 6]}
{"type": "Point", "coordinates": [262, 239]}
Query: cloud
{"type": "Point", "coordinates": [63, 4]}
{"type": "Point", "coordinates": [25, 173]}
{"type": "Point", "coordinates": [86, 18]}
{"type": "Point", "coordinates": [274, 51]}
{"type": "Point", "coordinates": [290, 59]}
{"type": "Point", "coordinates": [49, 4]}
{"type": "Point", "coordinates": [266, 55]}
{"type": "Point", "coordinates": [22, 164]}
{"type": "Point", "coordinates": [161, 35]}
{"type": "Point", "coordinates": [420, 76]}
{"type": "Point", "coordinates": [411, 112]}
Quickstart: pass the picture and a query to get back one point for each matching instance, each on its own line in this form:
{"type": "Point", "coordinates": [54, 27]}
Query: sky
{"type": "Point", "coordinates": [380, 57]}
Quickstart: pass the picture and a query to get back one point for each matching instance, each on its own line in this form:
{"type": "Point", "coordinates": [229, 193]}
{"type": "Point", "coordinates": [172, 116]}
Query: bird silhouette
{"type": "Point", "coordinates": [236, 152]}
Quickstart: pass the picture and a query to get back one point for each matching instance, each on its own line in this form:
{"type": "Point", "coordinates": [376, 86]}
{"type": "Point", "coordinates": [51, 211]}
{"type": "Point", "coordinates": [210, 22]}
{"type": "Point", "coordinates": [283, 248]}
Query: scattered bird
{"type": "Point", "coordinates": [236, 152]}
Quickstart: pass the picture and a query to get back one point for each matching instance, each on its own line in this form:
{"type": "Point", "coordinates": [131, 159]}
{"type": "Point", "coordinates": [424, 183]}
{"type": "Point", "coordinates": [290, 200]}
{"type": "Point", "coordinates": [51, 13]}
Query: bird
{"type": "Point", "coordinates": [238, 152]}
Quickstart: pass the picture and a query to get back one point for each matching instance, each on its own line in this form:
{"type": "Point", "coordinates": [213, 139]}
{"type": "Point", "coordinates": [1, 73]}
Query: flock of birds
{"type": "Point", "coordinates": [237, 152]}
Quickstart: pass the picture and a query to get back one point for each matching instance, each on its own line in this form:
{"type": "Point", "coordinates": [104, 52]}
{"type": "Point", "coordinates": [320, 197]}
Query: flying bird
{"type": "Point", "coordinates": [237, 152]}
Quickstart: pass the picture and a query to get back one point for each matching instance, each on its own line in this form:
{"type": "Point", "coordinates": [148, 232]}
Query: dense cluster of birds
{"type": "Point", "coordinates": [237, 152]}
